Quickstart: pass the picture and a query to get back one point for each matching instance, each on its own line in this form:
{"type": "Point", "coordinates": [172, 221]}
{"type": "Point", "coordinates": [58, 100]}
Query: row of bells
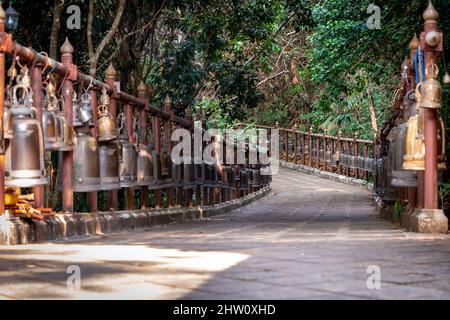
{"type": "Point", "coordinates": [406, 150]}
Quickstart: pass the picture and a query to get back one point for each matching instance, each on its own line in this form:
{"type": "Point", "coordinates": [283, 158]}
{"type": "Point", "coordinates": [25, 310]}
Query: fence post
{"type": "Point", "coordinates": [112, 196]}
{"type": "Point", "coordinates": [310, 146]}
{"type": "Point", "coordinates": [67, 157]}
{"type": "Point", "coordinates": [339, 152]}
{"type": "Point", "coordinates": [143, 123]}
{"type": "Point", "coordinates": [92, 196]}
{"type": "Point", "coordinates": [129, 192]}
{"type": "Point", "coordinates": [168, 133]}
{"type": "Point", "coordinates": [295, 143]}
{"type": "Point", "coordinates": [157, 144]}
{"type": "Point", "coordinates": [356, 155]}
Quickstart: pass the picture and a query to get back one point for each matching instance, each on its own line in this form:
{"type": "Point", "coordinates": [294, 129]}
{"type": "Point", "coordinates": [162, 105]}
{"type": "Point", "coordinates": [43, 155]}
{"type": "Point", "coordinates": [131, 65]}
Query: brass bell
{"type": "Point", "coordinates": [106, 128]}
{"type": "Point", "coordinates": [53, 136]}
{"type": "Point", "coordinates": [400, 177]}
{"type": "Point", "coordinates": [127, 157]}
{"type": "Point", "coordinates": [24, 163]}
{"type": "Point", "coordinates": [109, 165]}
{"type": "Point", "coordinates": [389, 192]}
{"type": "Point", "coordinates": [67, 131]}
{"type": "Point", "coordinates": [414, 158]}
{"type": "Point", "coordinates": [431, 89]}
{"type": "Point", "coordinates": [157, 172]}
{"type": "Point", "coordinates": [86, 162]}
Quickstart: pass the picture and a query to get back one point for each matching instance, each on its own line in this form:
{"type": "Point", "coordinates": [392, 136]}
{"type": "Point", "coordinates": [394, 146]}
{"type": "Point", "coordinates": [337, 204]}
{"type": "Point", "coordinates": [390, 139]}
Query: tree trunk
{"type": "Point", "coordinates": [57, 12]}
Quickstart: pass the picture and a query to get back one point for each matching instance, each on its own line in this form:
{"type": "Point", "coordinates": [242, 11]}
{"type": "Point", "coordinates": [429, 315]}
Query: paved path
{"type": "Point", "coordinates": [310, 239]}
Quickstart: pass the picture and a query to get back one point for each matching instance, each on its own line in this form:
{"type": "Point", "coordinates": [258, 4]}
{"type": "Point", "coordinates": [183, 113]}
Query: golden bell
{"type": "Point", "coordinates": [106, 128]}
{"type": "Point", "coordinates": [414, 158]}
{"type": "Point", "coordinates": [431, 89]}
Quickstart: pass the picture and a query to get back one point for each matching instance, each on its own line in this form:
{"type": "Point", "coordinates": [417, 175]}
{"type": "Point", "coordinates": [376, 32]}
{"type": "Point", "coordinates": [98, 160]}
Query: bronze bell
{"type": "Point", "coordinates": [109, 165]}
{"type": "Point", "coordinates": [127, 158]}
{"type": "Point", "coordinates": [85, 111]}
{"type": "Point", "coordinates": [106, 128]}
{"type": "Point", "coordinates": [189, 175]}
{"type": "Point", "coordinates": [400, 177]}
{"type": "Point", "coordinates": [256, 177]}
{"type": "Point", "coordinates": [389, 192]}
{"type": "Point", "coordinates": [24, 165]}
{"type": "Point", "coordinates": [52, 125]}
{"type": "Point", "coordinates": [145, 163]}
{"type": "Point", "coordinates": [86, 162]}
{"type": "Point", "coordinates": [157, 172]}
{"type": "Point", "coordinates": [166, 169]}
{"type": "Point", "coordinates": [431, 89]}
{"type": "Point", "coordinates": [378, 177]}
{"type": "Point", "coordinates": [243, 182]}
{"type": "Point", "coordinates": [67, 131]}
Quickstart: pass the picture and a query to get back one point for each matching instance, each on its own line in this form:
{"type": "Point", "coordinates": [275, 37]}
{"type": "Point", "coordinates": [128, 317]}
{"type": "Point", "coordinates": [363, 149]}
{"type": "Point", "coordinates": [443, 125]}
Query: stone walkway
{"type": "Point", "coordinates": [310, 239]}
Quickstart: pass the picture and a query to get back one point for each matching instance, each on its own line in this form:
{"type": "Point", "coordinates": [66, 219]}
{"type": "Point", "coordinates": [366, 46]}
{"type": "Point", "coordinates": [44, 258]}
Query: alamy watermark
{"type": "Point", "coordinates": [374, 21]}
{"type": "Point", "coordinates": [374, 280]}
{"type": "Point", "coordinates": [74, 280]}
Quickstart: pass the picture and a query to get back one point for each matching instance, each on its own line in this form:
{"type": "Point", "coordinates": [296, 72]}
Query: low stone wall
{"type": "Point", "coordinates": [80, 225]}
{"type": "Point", "coordinates": [326, 175]}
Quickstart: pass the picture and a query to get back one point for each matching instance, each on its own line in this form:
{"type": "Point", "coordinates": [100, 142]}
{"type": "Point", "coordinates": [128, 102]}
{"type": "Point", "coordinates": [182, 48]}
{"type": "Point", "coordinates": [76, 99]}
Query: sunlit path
{"type": "Point", "coordinates": [310, 239]}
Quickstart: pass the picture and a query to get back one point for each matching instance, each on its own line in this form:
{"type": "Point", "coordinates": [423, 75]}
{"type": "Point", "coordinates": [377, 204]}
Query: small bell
{"type": "Point", "coordinates": [106, 128]}
{"type": "Point", "coordinates": [431, 89]}
{"type": "Point", "coordinates": [76, 111]}
{"type": "Point", "coordinates": [127, 157]}
{"type": "Point", "coordinates": [109, 166]}
{"type": "Point", "coordinates": [86, 114]}
{"type": "Point", "coordinates": [414, 158]}
{"type": "Point", "coordinates": [446, 78]}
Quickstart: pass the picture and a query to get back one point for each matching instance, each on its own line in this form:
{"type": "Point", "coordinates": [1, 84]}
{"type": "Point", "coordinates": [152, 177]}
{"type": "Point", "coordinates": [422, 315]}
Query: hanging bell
{"type": "Point", "coordinates": [86, 114]}
{"type": "Point", "coordinates": [431, 89]}
{"type": "Point", "coordinates": [145, 165]}
{"type": "Point", "coordinates": [256, 178]}
{"type": "Point", "coordinates": [127, 157]}
{"type": "Point", "coordinates": [25, 154]}
{"type": "Point", "coordinates": [400, 177]}
{"type": "Point", "coordinates": [166, 169]}
{"type": "Point", "coordinates": [106, 128]}
{"type": "Point", "coordinates": [66, 130]}
{"type": "Point", "coordinates": [389, 192]}
{"type": "Point", "coordinates": [414, 158]}
{"type": "Point", "coordinates": [189, 175]}
{"type": "Point", "coordinates": [86, 162]}
{"type": "Point", "coordinates": [157, 172]}
{"type": "Point", "coordinates": [243, 182]}
{"type": "Point", "coordinates": [76, 112]}
{"type": "Point", "coordinates": [109, 165]}
{"type": "Point", "coordinates": [52, 127]}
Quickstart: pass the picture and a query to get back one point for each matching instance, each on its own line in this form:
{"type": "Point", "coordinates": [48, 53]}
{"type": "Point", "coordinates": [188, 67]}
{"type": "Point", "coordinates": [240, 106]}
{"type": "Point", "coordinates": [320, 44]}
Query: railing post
{"type": "Point", "coordinates": [317, 152]}
{"type": "Point", "coordinates": [142, 94]}
{"type": "Point", "coordinates": [303, 160]}
{"type": "Point", "coordinates": [168, 131]}
{"type": "Point", "coordinates": [366, 173]}
{"type": "Point", "coordinates": [339, 152]}
{"type": "Point", "coordinates": [129, 192]}
{"type": "Point", "coordinates": [356, 155]}
{"type": "Point", "coordinates": [5, 46]}
{"type": "Point", "coordinates": [286, 145]}
{"type": "Point", "coordinates": [310, 147]}
{"type": "Point", "coordinates": [93, 196]}
{"type": "Point", "coordinates": [67, 157]}
{"type": "Point", "coordinates": [112, 196]}
{"type": "Point", "coordinates": [36, 86]}
{"type": "Point", "coordinates": [295, 144]}
{"type": "Point", "coordinates": [325, 149]}
{"type": "Point", "coordinates": [157, 144]}
{"type": "Point", "coordinates": [189, 192]}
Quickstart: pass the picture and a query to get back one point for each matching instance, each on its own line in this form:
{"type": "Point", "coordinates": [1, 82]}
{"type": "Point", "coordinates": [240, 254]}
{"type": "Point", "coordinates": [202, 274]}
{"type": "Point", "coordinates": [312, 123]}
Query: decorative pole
{"type": "Point", "coordinates": [67, 157]}
{"type": "Point", "coordinates": [142, 94]}
{"type": "Point", "coordinates": [5, 46]}
{"type": "Point", "coordinates": [430, 219]}
{"type": "Point", "coordinates": [111, 75]}
{"type": "Point", "coordinates": [129, 192]}
{"type": "Point", "coordinates": [168, 142]}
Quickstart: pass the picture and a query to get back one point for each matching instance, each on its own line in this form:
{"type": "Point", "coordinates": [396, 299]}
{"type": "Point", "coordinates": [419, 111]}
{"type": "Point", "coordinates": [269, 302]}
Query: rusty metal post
{"type": "Point", "coordinates": [112, 196]}
{"type": "Point", "coordinates": [5, 46]}
{"type": "Point", "coordinates": [366, 173]}
{"type": "Point", "coordinates": [189, 192]}
{"type": "Point", "coordinates": [36, 86]}
{"type": "Point", "coordinates": [317, 152]}
{"type": "Point", "coordinates": [286, 145]}
{"type": "Point", "coordinates": [430, 218]}
{"type": "Point", "coordinates": [295, 144]}
{"type": "Point", "coordinates": [157, 144]}
{"type": "Point", "coordinates": [325, 149]}
{"type": "Point", "coordinates": [67, 157]}
{"type": "Point", "coordinates": [93, 196]}
{"type": "Point", "coordinates": [355, 146]}
{"type": "Point", "coordinates": [310, 146]}
{"type": "Point", "coordinates": [171, 200]}
{"type": "Point", "coordinates": [128, 112]}
{"type": "Point", "coordinates": [142, 94]}
{"type": "Point", "coordinates": [303, 160]}
{"type": "Point", "coordinates": [339, 152]}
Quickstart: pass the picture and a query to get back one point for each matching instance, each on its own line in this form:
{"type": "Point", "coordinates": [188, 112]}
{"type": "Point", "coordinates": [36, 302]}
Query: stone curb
{"type": "Point", "coordinates": [15, 231]}
{"type": "Point", "coordinates": [326, 175]}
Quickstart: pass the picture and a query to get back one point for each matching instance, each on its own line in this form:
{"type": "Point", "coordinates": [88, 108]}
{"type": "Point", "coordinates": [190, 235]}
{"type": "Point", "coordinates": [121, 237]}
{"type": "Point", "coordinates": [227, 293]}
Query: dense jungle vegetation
{"type": "Point", "coordinates": [312, 63]}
